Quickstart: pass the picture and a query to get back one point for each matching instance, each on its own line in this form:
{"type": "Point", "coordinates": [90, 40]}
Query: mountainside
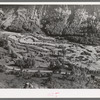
{"type": "Point", "coordinates": [77, 23]}
{"type": "Point", "coordinates": [50, 46]}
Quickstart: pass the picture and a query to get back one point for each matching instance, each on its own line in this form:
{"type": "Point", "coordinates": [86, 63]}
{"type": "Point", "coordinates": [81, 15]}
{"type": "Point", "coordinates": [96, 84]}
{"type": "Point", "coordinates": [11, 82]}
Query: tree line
{"type": "Point", "coordinates": [77, 23]}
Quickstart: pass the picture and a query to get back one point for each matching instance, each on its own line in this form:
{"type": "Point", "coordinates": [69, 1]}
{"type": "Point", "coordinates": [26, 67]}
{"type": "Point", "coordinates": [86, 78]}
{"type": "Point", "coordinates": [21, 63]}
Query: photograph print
{"type": "Point", "coordinates": [50, 46]}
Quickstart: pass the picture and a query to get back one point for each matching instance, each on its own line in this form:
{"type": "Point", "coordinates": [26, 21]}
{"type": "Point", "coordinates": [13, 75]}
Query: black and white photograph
{"type": "Point", "coordinates": [50, 46]}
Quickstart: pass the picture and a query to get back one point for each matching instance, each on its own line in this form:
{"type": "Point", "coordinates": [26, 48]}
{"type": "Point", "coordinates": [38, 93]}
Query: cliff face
{"type": "Point", "coordinates": [77, 23]}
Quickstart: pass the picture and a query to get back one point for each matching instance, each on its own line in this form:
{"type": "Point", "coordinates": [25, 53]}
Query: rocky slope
{"type": "Point", "coordinates": [66, 35]}
{"type": "Point", "coordinates": [77, 23]}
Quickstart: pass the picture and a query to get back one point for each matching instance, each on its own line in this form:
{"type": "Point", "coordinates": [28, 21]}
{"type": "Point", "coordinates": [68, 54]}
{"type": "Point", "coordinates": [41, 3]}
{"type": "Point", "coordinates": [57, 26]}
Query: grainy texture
{"type": "Point", "coordinates": [50, 46]}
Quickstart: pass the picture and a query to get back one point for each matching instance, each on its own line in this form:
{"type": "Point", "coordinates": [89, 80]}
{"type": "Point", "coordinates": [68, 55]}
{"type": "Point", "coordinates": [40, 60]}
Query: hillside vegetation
{"type": "Point", "coordinates": [77, 23]}
{"type": "Point", "coordinates": [50, 46]}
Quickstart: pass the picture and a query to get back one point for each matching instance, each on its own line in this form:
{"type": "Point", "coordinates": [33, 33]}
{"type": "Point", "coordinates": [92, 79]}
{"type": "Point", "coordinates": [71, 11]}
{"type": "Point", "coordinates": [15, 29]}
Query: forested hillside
{"type": "Point", "coordinates": [50, 46]}
{"type": "Point", "coordinates": [77, 23]}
